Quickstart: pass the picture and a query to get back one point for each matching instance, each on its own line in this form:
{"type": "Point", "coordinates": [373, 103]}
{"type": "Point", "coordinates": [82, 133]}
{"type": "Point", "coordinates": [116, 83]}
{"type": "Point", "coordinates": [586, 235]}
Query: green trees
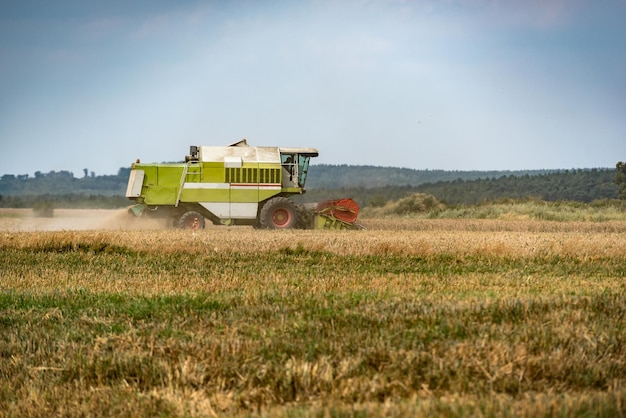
{"type": "Point", "coordinates": [620, 178]}
{"type": "Point", "coordinates": [369, 186]}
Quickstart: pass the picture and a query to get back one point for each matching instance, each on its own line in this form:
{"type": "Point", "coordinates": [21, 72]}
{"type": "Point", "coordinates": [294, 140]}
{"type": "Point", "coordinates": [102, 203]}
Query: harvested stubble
{"type": "Point", "coordinates": [458, 320]}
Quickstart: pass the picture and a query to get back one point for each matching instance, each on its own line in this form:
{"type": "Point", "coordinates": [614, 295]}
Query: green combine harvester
{"type": "Point", "coordinates": [235, 185]}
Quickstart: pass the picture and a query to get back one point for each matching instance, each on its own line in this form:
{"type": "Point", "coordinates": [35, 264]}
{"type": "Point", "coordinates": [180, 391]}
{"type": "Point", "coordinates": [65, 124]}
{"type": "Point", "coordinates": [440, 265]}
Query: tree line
{"type": "Point", "coordinates": [574, 185]}
{"type": "Point", "coordinates": [369, 186]}
{"type": "Point", "coordinates": [63, 182]}
{"type": "Point", "coordinates": [582, 185]}
{"type": "Point", "coordinates": [326, 176]}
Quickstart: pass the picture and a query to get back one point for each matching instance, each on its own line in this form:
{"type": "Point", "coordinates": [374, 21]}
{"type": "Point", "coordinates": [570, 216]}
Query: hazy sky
{"type": "Point", "coordinates": [424, 84]}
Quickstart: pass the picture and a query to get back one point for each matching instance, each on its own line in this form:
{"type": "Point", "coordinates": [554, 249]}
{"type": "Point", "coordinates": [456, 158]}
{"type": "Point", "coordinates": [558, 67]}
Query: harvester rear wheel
{"type": "Point", "coordinates": [191, 220]}
{"type": "Point", "coordinates": [279, 213]}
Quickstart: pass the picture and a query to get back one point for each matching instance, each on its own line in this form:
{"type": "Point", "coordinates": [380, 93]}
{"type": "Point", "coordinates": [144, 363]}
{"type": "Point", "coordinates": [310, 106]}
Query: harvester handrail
{"type": "Point", "coordinates": [183, 178]}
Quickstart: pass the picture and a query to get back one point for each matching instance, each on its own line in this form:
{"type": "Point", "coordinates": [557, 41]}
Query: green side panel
{"type": "Point", "coordinates": [169, 175]}
{"type": "Point", "coordinates": [160, 195]}
{"type": "Point", "coordinates": [161, 182]}
{"type": "Point", "coordinates": [244, 196]}
{"type": "Point", "coordinates": [266, 194]}
{"type": "Point", "coordinates": [213, 172]}
{"type": "Point", "coordinates": [244, 182]}
{"type": "Point", "coordinates": [204, 195]}
{"type": "Point", "coordinates": [150, 175]}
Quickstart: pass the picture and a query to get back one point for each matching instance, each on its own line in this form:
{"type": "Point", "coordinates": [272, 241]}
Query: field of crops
{"type": "Point", "coordinates": [414, 317]}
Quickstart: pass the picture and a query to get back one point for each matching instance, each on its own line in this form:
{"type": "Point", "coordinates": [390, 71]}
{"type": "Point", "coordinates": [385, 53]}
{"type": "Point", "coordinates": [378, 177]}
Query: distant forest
{"type": "Point", "coordinates": [583, 185]}
{"type": "Point", "coordinates": [368, 185]}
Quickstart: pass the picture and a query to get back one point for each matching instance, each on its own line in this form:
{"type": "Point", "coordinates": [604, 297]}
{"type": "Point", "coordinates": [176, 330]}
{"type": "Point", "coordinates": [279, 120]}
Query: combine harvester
{"type": "Point", "coordinates": [236, 185]}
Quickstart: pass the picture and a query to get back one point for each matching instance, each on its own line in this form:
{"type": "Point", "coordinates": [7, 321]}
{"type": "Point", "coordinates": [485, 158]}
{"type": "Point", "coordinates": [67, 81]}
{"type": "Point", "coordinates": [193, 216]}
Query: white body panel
{"type": "Point", "coordinates": [225, 210]}
{"type": "Point", "coordinates": [237, 155]}
{"type": "Point", "coordinates": [232, 162]}
{"type": "Point", "coordinates": [219, 209]}
{"type": "Point", "coordinates": [206, 186]}
{"type": "Point", "coordinates": [135, 183]}
{"type": "Point", "coordinates": [244, 210]}
{"type": "Point", "coordinates": [232, 210]}
{"type": "Point", "coordinates": [234, 156]}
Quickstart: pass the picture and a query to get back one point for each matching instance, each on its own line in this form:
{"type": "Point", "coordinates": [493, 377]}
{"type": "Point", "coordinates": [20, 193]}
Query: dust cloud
{"type": "Point", "coordinates": [76, 220]}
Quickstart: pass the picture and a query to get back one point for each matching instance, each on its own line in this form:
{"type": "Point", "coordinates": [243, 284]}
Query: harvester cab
{"type": "Point", "coordinates": [235, 185]}
{"type": "Point", "coordinates": [295, 165]}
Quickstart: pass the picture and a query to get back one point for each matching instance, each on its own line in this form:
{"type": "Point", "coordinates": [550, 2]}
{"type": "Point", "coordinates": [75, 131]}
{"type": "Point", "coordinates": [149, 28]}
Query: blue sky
{"type": "Point", "coordinates": [423, 84]}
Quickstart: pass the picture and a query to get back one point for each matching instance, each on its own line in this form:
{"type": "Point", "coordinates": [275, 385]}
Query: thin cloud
{"type": "Point", "coordinates": [104, 27]}
{"type": "Point", "coordinates": [454, 84]}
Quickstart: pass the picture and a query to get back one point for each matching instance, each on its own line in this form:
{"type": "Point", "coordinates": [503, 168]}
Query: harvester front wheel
{"type": "Point", "coordinates": [279, 213]}
{"type": "Point", "coordinates": [191, 220]}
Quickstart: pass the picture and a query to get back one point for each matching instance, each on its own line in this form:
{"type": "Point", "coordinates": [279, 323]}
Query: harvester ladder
{"type": "Point", "coordinates": [183, 178]}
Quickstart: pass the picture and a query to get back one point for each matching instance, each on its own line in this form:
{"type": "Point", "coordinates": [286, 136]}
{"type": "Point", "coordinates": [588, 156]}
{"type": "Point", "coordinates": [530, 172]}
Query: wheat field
{"type": "Point", "coordinates": [411, 317]}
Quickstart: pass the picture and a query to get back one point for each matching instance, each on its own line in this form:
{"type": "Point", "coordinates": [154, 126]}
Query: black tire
{"type": "Point", "coordinates": [279, 213]}
{"type": "Point", "coordinates": [191, 220]}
